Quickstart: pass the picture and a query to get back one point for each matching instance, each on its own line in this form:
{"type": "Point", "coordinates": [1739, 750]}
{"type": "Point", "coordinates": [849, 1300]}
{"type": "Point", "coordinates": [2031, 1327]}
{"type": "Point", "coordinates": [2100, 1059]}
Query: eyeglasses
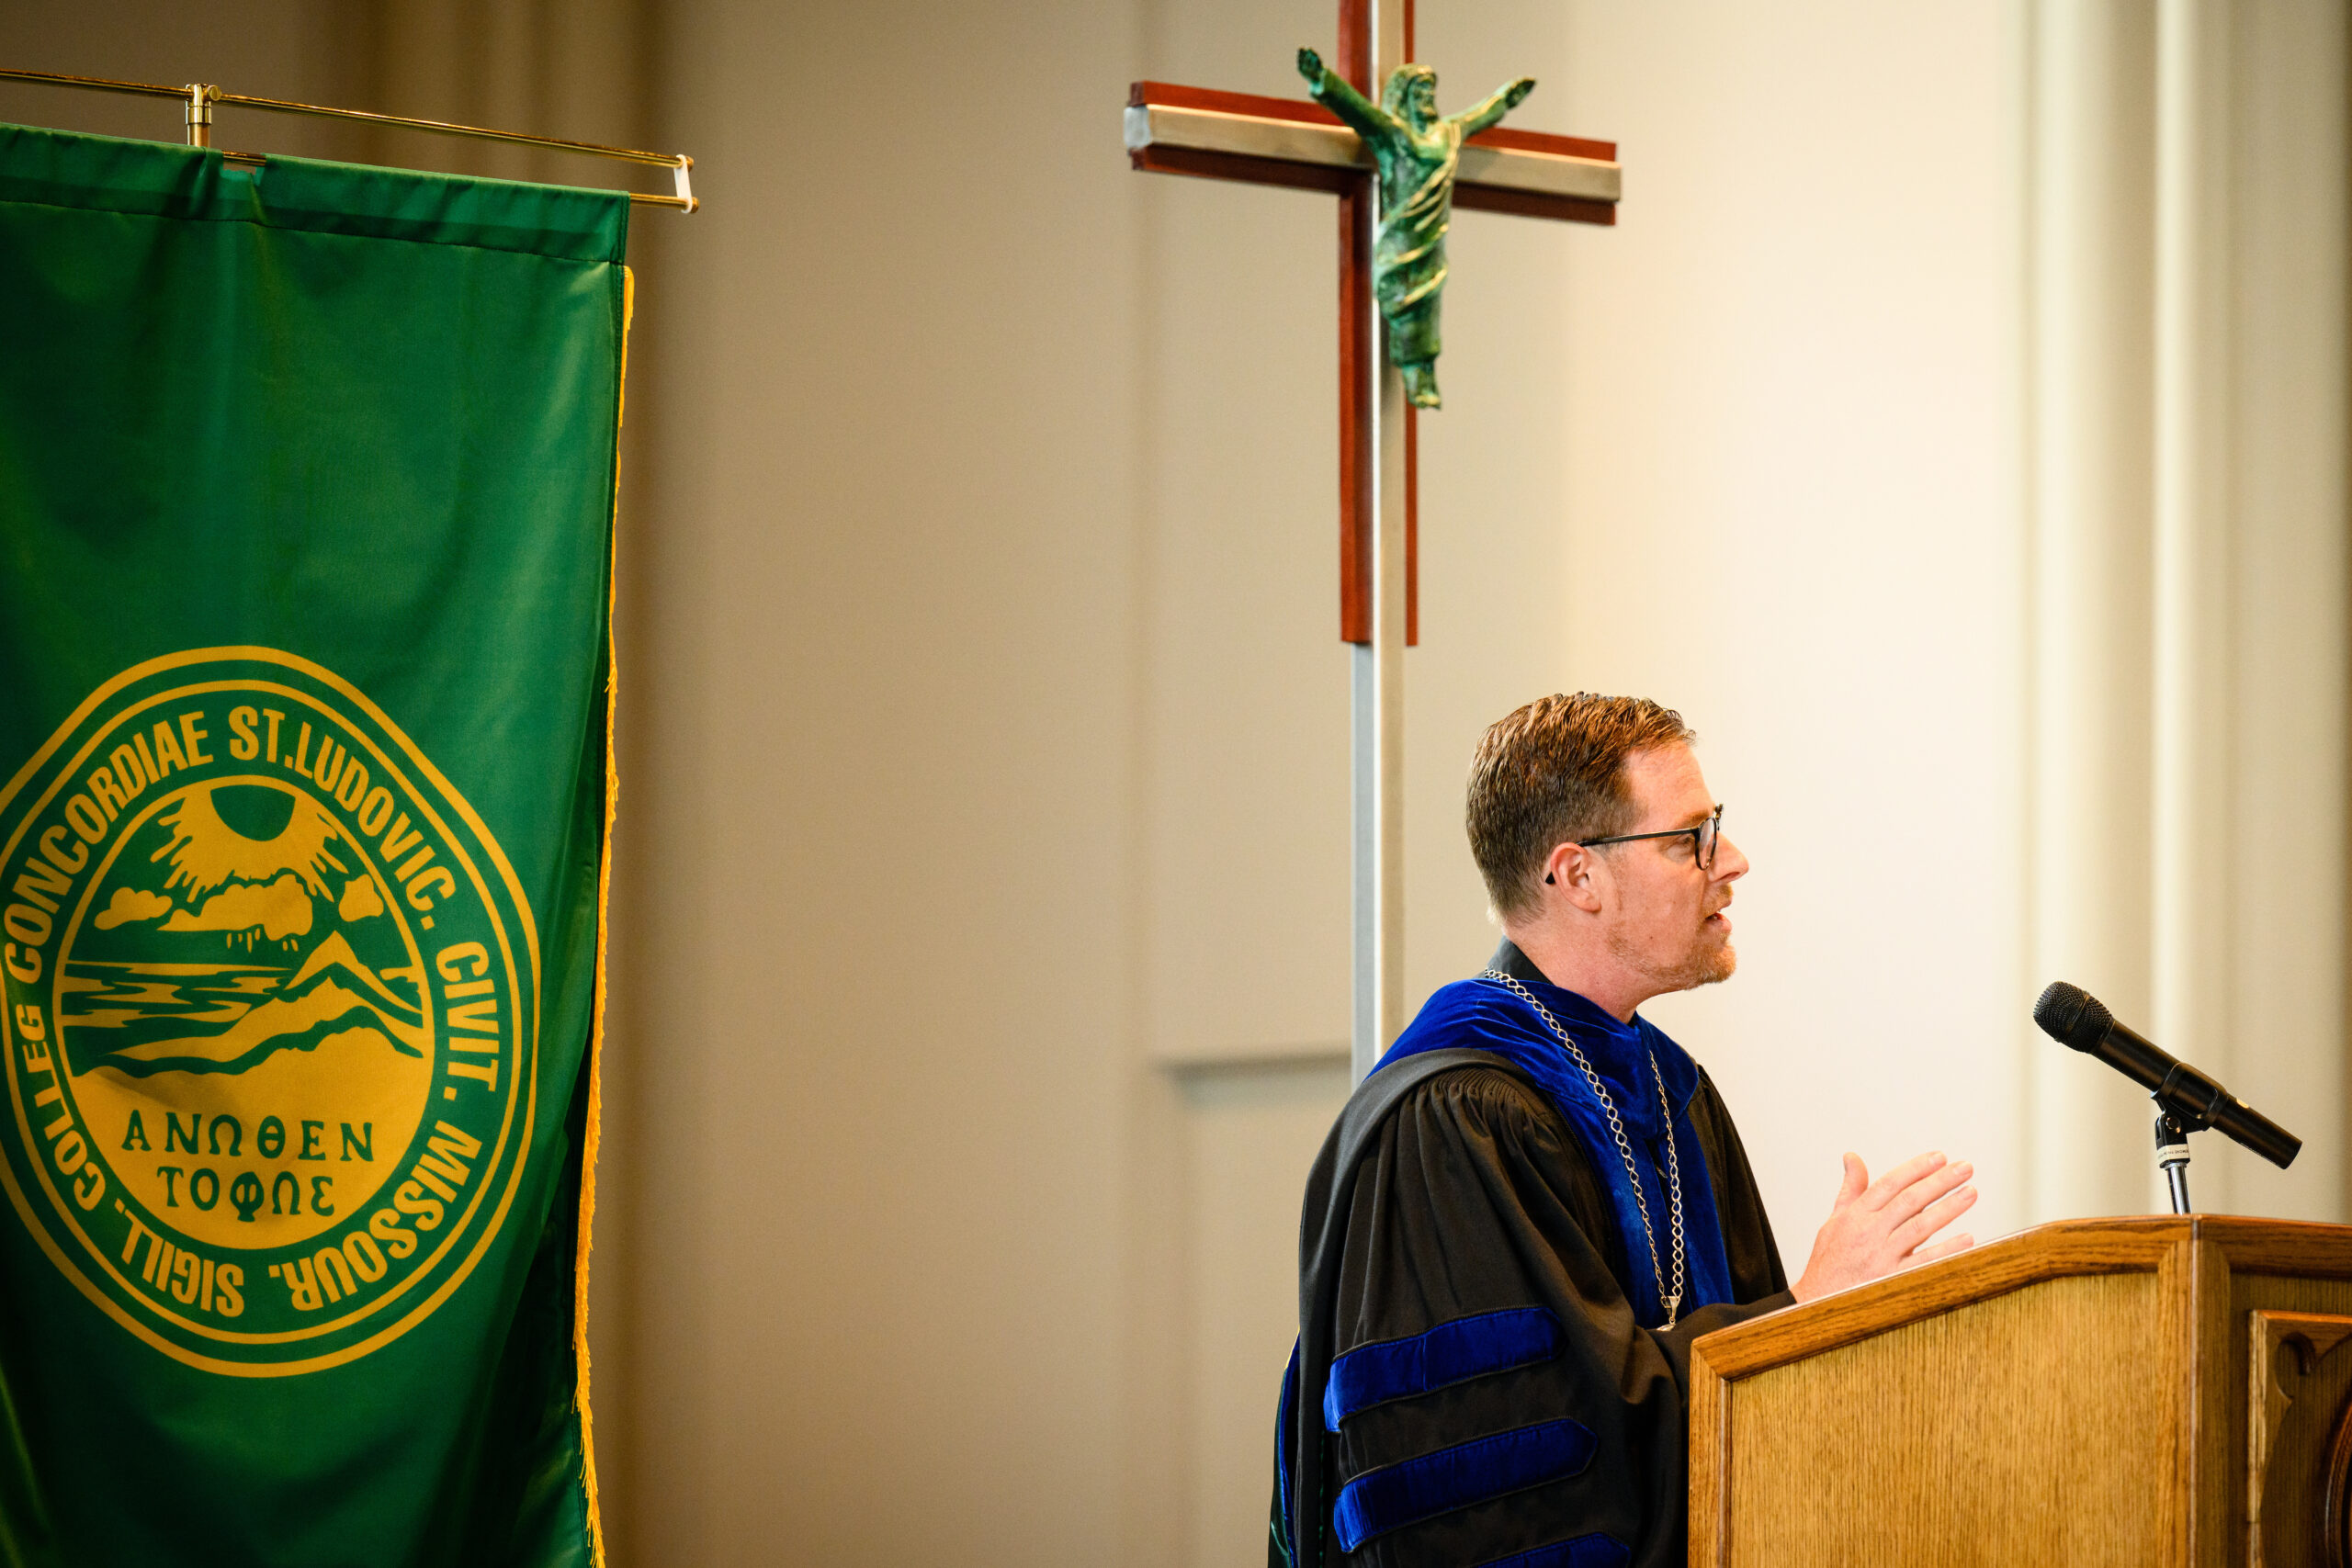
{"type": "Point", "coordinates": [1703, 838]}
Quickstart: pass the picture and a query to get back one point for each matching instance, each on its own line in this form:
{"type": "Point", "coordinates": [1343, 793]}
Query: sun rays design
{"type": "Point", "coordinates": [206, 854]}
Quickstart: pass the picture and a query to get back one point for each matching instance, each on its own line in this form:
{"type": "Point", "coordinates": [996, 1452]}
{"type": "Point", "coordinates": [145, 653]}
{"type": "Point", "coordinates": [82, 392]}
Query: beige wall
{"type": "Point", "coordinates": [296, 46]}
{"type": "Point", "coordinates": [981, 973]}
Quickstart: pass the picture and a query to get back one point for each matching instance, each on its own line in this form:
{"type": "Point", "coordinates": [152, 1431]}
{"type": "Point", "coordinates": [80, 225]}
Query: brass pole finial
{"type": "Point", "coordinates": [198, 112]}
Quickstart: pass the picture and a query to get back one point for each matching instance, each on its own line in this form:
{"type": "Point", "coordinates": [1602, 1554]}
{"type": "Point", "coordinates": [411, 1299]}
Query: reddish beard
{"type": "Point", "coordinates": [1706, 961]}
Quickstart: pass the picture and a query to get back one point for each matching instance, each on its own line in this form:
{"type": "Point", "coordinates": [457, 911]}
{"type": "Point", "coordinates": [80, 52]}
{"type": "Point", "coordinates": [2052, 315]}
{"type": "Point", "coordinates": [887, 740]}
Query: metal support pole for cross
{"type": "Point", "coordinates": [2172, 1158]}
{"type": "Point", "coordinates": [1378, 678]}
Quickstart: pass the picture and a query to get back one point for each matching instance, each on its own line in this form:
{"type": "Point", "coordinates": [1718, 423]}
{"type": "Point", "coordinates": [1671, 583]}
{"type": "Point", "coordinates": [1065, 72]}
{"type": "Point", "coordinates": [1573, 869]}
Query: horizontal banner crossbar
{"type": "Point", "coordinates": [201, 95]}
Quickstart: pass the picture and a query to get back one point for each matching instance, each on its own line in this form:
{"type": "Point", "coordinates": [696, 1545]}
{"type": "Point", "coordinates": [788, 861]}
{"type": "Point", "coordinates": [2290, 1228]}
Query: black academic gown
{"type": "Point", "coordinates": [1456, 1190]}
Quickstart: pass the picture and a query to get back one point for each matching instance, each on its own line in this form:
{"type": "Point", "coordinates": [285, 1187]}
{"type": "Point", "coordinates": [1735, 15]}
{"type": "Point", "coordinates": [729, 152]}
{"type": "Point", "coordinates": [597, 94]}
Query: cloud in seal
{"type": "Point", "coordinates": [360, 900]}
{"type": "Point", "coordinates": [278, 910]}
{"type": "Point", "coordinates": [130, 904]}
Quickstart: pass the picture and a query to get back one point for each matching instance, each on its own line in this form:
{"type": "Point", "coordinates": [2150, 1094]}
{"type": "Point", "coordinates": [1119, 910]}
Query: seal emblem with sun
{"type": "Point", "coordinates": [270, 1013]}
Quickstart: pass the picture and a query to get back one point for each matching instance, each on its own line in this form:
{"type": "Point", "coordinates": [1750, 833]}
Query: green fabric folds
{"type": "Point", "coordinates": [306, 489]}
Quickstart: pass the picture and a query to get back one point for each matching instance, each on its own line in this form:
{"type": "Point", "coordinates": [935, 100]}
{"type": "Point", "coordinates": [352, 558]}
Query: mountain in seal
{"type": "Point", "coordinates": [333, 993]}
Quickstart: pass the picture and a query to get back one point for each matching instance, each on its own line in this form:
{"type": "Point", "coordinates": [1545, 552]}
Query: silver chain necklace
{"type": "Point", "coordinates": [1624, 1147]}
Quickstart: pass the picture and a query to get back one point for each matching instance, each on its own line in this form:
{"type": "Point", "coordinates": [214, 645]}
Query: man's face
{"type": "Point", "coordinates": [1666, 919]}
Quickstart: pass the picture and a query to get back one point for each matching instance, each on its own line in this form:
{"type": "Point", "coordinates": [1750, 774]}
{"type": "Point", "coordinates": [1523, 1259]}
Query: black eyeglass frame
{"type": "Point", "coordinates": [1705, 838]}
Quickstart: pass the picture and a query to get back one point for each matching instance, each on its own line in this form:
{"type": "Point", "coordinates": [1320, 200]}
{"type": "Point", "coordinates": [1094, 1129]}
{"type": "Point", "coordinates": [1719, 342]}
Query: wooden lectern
{"type": "Point", "coordinates": [2166, 1390]}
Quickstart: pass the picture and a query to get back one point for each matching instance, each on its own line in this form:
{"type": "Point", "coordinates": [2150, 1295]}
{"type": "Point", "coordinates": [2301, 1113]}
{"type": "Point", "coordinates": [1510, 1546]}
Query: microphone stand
{"type": "Point", "coordinates": [2172, 1156]}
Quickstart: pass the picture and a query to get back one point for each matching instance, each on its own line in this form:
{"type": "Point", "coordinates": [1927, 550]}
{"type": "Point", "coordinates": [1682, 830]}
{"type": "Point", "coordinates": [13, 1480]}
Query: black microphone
{"type": "Point", "coordinates": [2075, 1018]}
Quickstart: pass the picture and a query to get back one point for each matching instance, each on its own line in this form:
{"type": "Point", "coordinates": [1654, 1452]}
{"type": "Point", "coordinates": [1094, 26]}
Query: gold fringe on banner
{"type": "Point", "coordinates": [592, 1135]}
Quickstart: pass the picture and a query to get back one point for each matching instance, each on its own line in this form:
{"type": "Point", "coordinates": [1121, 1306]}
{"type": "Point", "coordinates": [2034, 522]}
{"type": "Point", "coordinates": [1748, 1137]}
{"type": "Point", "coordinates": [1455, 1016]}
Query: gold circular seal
{"type": "Point", "coordinates": [269, 992]}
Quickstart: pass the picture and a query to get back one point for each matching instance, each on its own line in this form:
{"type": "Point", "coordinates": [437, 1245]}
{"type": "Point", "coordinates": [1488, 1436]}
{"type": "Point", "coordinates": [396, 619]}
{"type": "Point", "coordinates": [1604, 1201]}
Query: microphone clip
{"type": "Point", "coordinates": [2191, 1096]}
{"type": "Point", "coordinates": [2172, 1154]}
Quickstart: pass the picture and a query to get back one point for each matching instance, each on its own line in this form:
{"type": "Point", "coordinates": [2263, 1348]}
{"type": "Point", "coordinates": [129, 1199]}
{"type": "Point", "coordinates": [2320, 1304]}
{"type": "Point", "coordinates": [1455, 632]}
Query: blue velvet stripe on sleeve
{"type": "Point", "coordinates": [1452, 1352]}
{"type": "Point", "coordinates": [1595, 1550]}
{"type": "Point", "coordinates": [1400, 1495]}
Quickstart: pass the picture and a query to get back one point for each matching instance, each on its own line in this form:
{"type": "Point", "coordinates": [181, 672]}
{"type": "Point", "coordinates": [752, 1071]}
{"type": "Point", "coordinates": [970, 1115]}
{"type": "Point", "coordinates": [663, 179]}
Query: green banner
{"type": "Point", "coordinates": [306, 490]}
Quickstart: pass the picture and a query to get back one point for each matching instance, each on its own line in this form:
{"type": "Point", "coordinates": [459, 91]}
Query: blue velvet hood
{"type": "Point", "coordinates": [1482, 1015]}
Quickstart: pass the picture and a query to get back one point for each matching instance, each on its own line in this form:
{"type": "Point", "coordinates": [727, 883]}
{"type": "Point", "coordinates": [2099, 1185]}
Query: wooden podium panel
{"type": "Point", "coordinates": [2154, 1389]}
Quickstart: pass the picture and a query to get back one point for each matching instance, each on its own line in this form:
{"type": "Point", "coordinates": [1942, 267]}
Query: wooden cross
{"type": "Point", "coordinates": [1284, 141]}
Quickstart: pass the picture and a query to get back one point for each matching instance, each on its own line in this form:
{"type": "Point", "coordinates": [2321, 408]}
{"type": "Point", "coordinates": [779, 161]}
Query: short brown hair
{"type": "Point", "coordinates": [1554, 772]}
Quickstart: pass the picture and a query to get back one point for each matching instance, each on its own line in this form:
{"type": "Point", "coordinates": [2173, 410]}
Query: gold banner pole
{"type": "Point", "coordinates": [197, 100]}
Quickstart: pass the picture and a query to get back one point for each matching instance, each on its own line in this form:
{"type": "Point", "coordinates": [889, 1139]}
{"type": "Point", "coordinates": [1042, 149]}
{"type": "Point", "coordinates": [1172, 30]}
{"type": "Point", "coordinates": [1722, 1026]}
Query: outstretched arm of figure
{"type": "Point", "coordinates": [1490, 113]}
{"type": "Point", "coordinates": [1332, 90]}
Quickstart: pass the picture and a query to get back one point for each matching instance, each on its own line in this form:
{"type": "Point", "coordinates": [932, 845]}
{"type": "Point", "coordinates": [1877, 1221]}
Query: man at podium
{"type": "Point", "coordinates": [1537, 1200]}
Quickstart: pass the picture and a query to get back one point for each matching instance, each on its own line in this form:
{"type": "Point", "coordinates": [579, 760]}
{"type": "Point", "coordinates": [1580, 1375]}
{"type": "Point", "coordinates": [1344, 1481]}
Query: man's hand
{"type": "Point", "coordinates": [1877, 1228]}
{"type": "Point", "coordinates": [1516, 94]}
{"type": "Point", "coordinates": [1310, 65]}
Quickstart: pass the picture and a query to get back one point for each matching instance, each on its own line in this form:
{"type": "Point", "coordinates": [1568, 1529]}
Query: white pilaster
{"type": "Point", "coordinates": [2091, 441]}
{"type": "Point", "coordinates": [2197, 819]}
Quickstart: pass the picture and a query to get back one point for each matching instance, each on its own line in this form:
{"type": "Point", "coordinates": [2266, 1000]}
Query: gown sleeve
{"type": "Point", "coordinates": [1493, 1394]}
